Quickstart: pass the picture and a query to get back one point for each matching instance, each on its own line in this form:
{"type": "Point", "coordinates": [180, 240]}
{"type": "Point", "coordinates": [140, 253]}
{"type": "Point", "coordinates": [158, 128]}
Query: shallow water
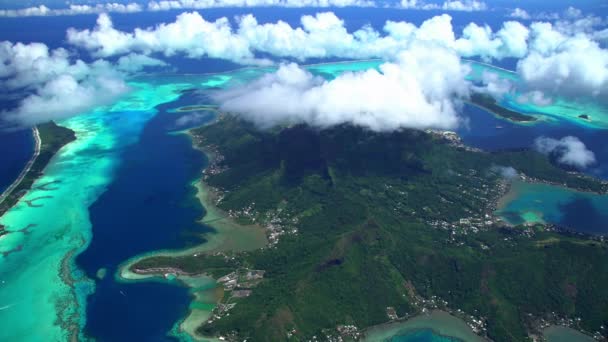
{"type": "Point", "coordinates": [532, 202]}
{"type": "Point", "coordinates": [556, 333]}
{"type": "Point", "coordinates": [124, 189]}
{"type": "Point", "coordinates": [435, 326]}
{"type": "Point", "coordinates": [39, 283]}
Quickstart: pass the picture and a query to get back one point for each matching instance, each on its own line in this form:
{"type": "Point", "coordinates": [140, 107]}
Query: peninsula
{"type": "Point", "coordinates": [413, 211]}
{"type": "Point", "coordinates": [488, 103]}
{"type": "Point", "coordinates": [49, 138]}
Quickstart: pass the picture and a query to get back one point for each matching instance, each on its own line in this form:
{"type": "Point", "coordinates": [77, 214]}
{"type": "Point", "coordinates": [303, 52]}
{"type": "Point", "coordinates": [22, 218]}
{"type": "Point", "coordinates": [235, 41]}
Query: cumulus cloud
{"type": "Point", "coordinates": [203, 4]}
{"type": "Point", "coordinates": [507, 172]}
{"type": "Point", "coordinates": [42, 10]}
{"type": "Point", "coordinates": [449, 5]}
{"type": "Point", "coordinates": [191, 119]}
{"type": "Point", "coordinates": [134, 63]}
{"type": "Point", "coordinates": [467, 5]}
{"type": "Point", "coordinates": [167, 5]}
{"type": "Point", "coordinates": [65, 96]}
{"type": "Point", "coordinates": [569, 150]}
{"type": "Point", "coordinates": [323, 35]}
{"type": "Point", "coordinates": [422, 89]}
{"type": "Point", "coordinates": [575, 67]}
{"type": "Point", "coordinates": [493, 84]}
{"type": "Point", "coordinates": [519, 13]}
{"type": "Point", "coordinates": [509, 41]}
{"type": "Point", "coordinates": [190, 35]}
{"type": "Point", "coordinates": [535, 97]}
{"type": "Point", "coordinates": [53, 85]}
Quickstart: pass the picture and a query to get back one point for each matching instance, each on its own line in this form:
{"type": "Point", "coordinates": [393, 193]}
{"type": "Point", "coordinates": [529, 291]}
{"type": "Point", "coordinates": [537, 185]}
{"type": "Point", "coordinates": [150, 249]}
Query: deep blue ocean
{"type": "Point", "coordinates": [150, 205]}
{"type": "Point", "coordinates": [16, 148]}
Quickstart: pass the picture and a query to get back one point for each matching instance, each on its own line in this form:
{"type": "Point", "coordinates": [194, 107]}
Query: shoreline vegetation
{"type": "Point", "coordinates": [49, 139]}
{"type": "Point", "coordinates": [489, 104]}
{"type": "Point", "coordinates": [442, 323]}
{"type": "Point", "coordinates": [227, 237]}
{"type": "Point", "coordinates": [196, 108]}
{"type": "Point", "coordinates": [276, 178]}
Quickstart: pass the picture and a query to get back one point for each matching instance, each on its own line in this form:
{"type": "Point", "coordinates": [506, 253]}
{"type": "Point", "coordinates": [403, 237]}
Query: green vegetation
{"type": "Point", "coordinates": [584, 117]}
{"type": "Point", "coordinates": [489, 103]}
{"type": "Point", "coordinates": [196, 108]}
{"type": "Point", "coordinates": [213, 265]}
{"type": "Point", "coordinates": [383, 219]}
{"type": "Point", "coordinates": [52, 137]}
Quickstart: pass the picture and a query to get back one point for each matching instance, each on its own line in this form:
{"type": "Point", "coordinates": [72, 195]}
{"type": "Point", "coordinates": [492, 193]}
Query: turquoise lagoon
{"type": "Point", "coordinates": [43, 293]}
{"type": "Point", "coordinates": [543, 203]}
{"type": "Point", "coordinates": [556, 333]}
{"type": "Point", "coordinates": [559, 111]}
{"type": "Point", "coordinates": [433, 326]}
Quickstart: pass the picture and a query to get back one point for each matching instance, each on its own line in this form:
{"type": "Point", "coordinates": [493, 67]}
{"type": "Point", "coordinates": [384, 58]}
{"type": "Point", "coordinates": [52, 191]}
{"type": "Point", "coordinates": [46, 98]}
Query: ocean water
{"type": "Point", "coordinates": [148, 206]}
{"type": "Point", "coordinates": [16, 150]}
{"type": "Point", "coordinates": [580, 212]}
{"type": "Point", "coordinates": [422, 335]}
{"type": "Point", "coordinates": [125, 190]}
{"type": "Point", "coordinates": [37, 271]}
{"type": "Point", "coordinates": [539, 203]}
{"type": "Point", "coordinates": [555, 333]}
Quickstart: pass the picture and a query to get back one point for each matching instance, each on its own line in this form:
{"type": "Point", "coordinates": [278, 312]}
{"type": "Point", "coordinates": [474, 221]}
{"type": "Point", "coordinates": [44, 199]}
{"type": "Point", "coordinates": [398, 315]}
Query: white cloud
{"type": "Point", "coordinates": [191, 119]}
{"type": "Point", "coordinates": [53, 85]}
{"type": "Point", "coordinates": [506, 171]}
{"type": "Point", "coordinates": [323, 35]}
{"type": "Point", "coordinates": [203, 4]}
{"type": "Point", "coordinates": [190, 35]}
{"type": "Point", "coordinates": [466, 5]}
{"type": "Point", "coordinates": [494, 85]}
{"type": "Point", "coordinates": [65, 96]}
{"type": "Point", "coordinates": [134, 63]}
{"type": "Point", "coordinates": [422, 89]}
{"type": "Point", "coordinates": [569, 150]}
{"type": "Point", "coordinates": [509, 41]}
{"type": "Point", "coordinates": [29, 65]}
{"type": "Point", "coordinates": [575, 67]}
{"type": "Point", "coordinates": [535, 97]}
{"type": "Point", "coordinates": [167, 5]}
{"type": "Point", "coordinates": [448, 5]}
{"type": "Point", "coordinates": [41, 11]}
{"type": "Point", "coordinates": [519, 13]}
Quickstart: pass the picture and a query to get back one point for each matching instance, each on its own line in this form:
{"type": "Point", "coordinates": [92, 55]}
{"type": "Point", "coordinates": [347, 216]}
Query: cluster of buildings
{"type": "Point", "coordinates": [215, 162]}
{"type": "Point", "coordinates": [239, 284]}
{"type": "Point", "coordinates": [553, 319]}
{"type": "Point", "coordinates": [452, 138]}
{"type": "Point", "coordinates": [241, 281]}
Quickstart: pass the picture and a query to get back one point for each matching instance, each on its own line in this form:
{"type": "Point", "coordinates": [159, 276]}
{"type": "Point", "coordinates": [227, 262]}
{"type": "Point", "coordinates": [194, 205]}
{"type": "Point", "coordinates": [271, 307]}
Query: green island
{"type": "Point", "coordinates": [49, 137]}
{"type": "Point", "coordinates": [488, 103]}
{"type": "Point", "coordinates": [367, 228]}
{"type": "Point", "coordinates": [585, 117]}
{"type": "Point", "coordinates": [197, 108]}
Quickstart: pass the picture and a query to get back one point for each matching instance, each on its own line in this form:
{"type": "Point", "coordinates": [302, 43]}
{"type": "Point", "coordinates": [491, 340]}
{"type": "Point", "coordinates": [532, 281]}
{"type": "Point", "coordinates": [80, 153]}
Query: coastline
{"type": "Point", "coordinates": [510, 194]}
{"type": "Point", "coordinates": [498, 116]}
{"type": "Point", "coordinates": [26, 169]}
{"type": "Point", "coordinates": [44, 151]}
{"type": "Point", "coordinates": [440, 322]}
{"type": "Point", "coordinates": [228, 236]}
